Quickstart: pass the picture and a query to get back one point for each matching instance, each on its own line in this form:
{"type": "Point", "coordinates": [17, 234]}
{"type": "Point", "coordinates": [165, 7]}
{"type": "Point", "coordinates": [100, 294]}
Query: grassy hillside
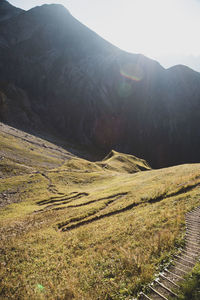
{"type": "Point", "coordinates": [72, 229]}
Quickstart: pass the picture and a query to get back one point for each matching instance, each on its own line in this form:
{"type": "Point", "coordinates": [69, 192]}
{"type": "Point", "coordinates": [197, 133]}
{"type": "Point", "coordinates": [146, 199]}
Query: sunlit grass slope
{"type": "Point", "coordinates": [72, 229]}
{"type": "Point", "coordinates": [123, 163]}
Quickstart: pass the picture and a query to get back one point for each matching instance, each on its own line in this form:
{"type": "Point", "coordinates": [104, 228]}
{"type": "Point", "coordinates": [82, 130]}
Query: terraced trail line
{"type": "Point", "coordinates": [163, 287]}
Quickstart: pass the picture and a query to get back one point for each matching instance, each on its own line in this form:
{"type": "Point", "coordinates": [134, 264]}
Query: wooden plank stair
{"type": "Point", "coordinates": [170, 278]}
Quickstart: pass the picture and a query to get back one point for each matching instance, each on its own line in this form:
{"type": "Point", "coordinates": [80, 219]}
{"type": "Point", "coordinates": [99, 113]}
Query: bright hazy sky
{"type": "Point", "coordinates": [166, 30]}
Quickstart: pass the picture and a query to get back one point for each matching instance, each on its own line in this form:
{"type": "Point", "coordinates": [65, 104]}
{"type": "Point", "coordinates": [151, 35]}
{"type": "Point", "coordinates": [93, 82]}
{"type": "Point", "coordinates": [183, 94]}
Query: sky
{"type": "Point", "coordinates": [165, 30]}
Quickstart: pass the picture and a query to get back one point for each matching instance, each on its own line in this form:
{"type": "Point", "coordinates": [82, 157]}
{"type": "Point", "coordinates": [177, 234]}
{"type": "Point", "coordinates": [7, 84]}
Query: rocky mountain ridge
{"type": "Point", "coordinates": [59, 77]}
{"type": "Point", "coordinates": [8, 11]}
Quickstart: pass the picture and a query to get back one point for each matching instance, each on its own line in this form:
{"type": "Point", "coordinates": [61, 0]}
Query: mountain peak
{"type": "Point", "coordinates": [8, 11]}
{"type": "Point", "coordinates": [181, 68]}
{"type": "Point", "coordinates": [57, 76]}
{"type": "Point", "coordinates": [51, 8]}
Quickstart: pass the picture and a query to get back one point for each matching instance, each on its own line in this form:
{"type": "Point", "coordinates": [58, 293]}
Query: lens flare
{"type": "Point", "coordinates": [124, 89]}
{"type": "Point", "coordinates": [132, 72]}
{"type": "Point", "coordinates": [40, 287]}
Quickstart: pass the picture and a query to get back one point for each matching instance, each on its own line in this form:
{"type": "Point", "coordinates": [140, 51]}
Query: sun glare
{"type": "Point", "coordinates": [154, 28]}
{"type": "Point", "coordinates": [159, 26]}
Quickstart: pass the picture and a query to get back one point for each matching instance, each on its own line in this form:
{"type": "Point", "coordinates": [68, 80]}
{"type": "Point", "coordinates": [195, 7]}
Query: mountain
{"type": "Point", "coordinates": [173, 59]}
{"type": "Point", "coordinates": [59, 78]}
{"type": "Point", "coordinates": [8, 11]}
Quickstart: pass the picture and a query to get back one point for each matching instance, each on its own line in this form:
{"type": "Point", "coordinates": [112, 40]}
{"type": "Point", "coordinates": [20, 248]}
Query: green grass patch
{"type": "Point", "coordinates": [135, 222]}
{"type": "Point", "coordinates": [190, 288]}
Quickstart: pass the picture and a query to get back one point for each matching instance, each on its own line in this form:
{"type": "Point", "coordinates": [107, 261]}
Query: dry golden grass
{"type": "Point", "coordinates": [79, 230]}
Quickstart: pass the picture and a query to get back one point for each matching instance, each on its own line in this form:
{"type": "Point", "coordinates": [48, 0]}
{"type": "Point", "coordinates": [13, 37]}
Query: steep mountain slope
{"type": "Point", "coordinates": [73, 229]}
{"type": "Point", "coordinates": [8, 11]}
{"type": "Point", "coordinates": [59, 77]}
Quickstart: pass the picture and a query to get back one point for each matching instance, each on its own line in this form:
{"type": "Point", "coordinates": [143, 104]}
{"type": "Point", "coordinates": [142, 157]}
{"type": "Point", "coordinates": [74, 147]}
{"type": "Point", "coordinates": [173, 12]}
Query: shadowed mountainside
{"type": "Point", "coordinates": [8, 11]}
{"type": "Point", "coordinates": [59, 77]}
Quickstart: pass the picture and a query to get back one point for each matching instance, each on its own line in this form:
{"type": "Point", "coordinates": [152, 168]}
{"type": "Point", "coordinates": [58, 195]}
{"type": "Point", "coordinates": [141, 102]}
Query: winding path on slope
{"type": "Point", "coordinates": [162, 288]}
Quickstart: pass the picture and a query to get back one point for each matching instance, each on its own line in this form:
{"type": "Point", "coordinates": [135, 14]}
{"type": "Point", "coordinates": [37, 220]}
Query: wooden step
{"type": "Point", "coordinates": [181, 270]}
{"type": "Point", "coordinates": [185, 260]}
{"type": "Point", "coordinates": [192, 236]}
{"type": "Point", "coordinates": [191, 242]}
{"type": "Point", "coordinates": [197, 219]}
{"type": "Point", "coordinates": [193, 228]}
{"type": "Point", "coordinates": [169, 280]}
{"type": "Point", "coordinates": [182, 265]}
{"type": "Point", "coordinates": [162, 289]}
{"type": "Point", "coordinates": [194, 254]}
{"type": "Point", "coordinates": [192, 247]}
{"type": "Point", "coordinates": [143, 296]}
{"type": "Point", "coordinates": [191, 257]}
{"type": "Point", "coordinates": [159, 294]}
{"type": "Point", "coordinates": [174, 274]}
{"type": "Point", "coordinates": [190, 232]}
{"type": "Point", "coordinates": [167, 289]}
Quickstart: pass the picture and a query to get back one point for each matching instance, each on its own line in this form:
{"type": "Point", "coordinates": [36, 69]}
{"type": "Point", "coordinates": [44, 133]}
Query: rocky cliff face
{"type": "Point", "coordinates": [58, 76]}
